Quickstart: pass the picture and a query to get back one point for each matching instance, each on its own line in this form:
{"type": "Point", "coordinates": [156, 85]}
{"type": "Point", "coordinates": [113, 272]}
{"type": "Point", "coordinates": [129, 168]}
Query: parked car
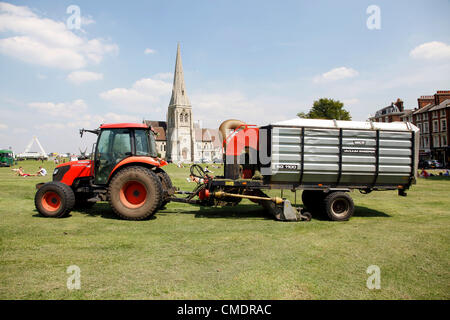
{"type": "Point", "coordinates": [430, 164]}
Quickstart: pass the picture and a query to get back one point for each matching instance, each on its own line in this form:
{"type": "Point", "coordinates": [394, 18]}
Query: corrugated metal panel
{"type": "Point", "coordinates": [358, 159]}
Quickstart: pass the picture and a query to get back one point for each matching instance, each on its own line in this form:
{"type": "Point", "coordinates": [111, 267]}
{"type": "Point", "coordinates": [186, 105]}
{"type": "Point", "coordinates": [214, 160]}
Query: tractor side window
{"type": "Point", "coordinates": [103, 142]}
{"type": "Point", "coordinates": [141, 139]}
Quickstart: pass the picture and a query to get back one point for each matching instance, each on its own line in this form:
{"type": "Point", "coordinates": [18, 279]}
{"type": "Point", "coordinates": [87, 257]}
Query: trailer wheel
{"type": "Point", "coordinates": [54, 199]}
{"type": "Point", "coordinates": [135, 193]}
{"type": "Point", "coordinates": [167, 187]}
{"type": "Point", "coordinates": [312, 199]}
{"type": "Point", "coordinates": [338, 206]}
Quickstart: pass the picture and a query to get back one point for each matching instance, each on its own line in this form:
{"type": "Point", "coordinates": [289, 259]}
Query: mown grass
{"type": "Point", "coordinates": [187, 252]}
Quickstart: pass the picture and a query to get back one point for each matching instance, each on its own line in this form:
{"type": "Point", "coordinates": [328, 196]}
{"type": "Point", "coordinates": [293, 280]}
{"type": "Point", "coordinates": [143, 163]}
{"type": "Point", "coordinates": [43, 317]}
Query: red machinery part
{"type": "Point", "coordinates": [77, 169]}
{"type": "Point", "coordinates": [243, 136]}
{"type": "Point", "coordinates": [204, 194]}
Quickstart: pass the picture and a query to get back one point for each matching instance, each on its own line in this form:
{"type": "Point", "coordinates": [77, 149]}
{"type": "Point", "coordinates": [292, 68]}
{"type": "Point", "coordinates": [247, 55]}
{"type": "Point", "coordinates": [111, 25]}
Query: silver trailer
{"type": "Point", "coordinates": [352, 154]}
{"type": "Point", "coordinates": [324, 158]}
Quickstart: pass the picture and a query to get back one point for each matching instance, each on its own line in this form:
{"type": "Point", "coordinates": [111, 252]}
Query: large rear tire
{"type": "Point", "coordinates": [54, 200]}
{"type": "Point", "coordinates": [167, 187]}
{"type": "Point", "coordinates": [135, 193]}
{"type": "Point", "coordinates": [338, 206]}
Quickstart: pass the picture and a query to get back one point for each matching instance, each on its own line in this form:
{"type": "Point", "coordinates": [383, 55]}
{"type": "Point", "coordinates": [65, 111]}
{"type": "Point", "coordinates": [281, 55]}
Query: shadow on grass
{"type": "Point", "coordinates": [231, 212]}
{"type": "Point", "coordinates": [367, 212]}
{"type": "Point", "coordinates": [243, 211]}
{"type": "Point", "coordinates": [437, 178]}
{"type": "Point", "coordinates": [100, 209]}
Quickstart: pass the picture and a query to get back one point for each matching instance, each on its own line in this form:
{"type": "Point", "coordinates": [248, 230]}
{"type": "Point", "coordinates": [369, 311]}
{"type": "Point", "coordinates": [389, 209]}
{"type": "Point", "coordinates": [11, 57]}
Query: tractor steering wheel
{"type": "Point", "coordinates": [198, 172]}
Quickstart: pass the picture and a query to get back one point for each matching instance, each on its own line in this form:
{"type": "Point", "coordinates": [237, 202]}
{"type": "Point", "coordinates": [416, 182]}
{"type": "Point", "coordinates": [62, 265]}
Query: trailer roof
{"type": "Point", "coordinates": [361, 125]}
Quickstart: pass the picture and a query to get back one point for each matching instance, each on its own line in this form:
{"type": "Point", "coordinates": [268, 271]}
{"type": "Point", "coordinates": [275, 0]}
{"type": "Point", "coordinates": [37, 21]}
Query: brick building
{"type": "Point", "coordinates": [394, 112]}
{"type": "Point", "coordinates": [432, 117]}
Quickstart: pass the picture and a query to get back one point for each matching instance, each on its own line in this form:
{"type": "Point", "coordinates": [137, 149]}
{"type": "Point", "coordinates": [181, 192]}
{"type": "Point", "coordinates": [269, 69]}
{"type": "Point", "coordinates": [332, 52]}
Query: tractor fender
{"type": "Point", "coordinates": [146, 161]}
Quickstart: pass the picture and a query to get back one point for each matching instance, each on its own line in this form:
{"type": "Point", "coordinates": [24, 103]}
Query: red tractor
{"type": "Point", "coordinates": [125, 171]}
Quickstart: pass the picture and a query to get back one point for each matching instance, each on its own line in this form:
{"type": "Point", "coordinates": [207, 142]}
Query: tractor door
{"type": "Point", "coordinates": [113, 145]}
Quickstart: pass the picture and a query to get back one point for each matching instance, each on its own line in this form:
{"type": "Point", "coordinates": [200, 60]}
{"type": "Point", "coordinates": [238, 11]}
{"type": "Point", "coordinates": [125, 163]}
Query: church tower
{"type": "Point", "coordinates": [180, 125]}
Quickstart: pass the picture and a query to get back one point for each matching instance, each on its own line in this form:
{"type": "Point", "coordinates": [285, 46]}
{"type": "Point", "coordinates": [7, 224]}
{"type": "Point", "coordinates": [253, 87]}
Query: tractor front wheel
{"type": "Point", "coordinates": [54, 199]}
{"type": "Point", "coordinates": [135, 193]}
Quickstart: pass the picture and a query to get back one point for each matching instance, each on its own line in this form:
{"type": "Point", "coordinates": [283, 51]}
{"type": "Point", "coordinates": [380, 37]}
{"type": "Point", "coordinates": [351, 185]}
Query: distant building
{"type": "Point", "coordinates": [432, 117]}
{"type": "Point", "coordinates": [180, 138]}
{"type": "Point", "coordinates": [394, 112]}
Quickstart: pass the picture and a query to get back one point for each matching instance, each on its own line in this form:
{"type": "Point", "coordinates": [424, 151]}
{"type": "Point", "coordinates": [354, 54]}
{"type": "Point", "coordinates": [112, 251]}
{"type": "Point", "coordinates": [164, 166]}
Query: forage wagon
{"type": "Point", "coordinates": [324, 158]}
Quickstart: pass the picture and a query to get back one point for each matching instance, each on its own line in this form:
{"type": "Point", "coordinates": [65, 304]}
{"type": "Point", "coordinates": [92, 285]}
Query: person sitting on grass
{"type": "Point", "coordinates": [207, 170]}
{"type": "Point", "coordinates": [194, 179]}
{"type": "Point", "coordinates": [41, 172]}
{"type": "Point", "coordinates": [424, 173]}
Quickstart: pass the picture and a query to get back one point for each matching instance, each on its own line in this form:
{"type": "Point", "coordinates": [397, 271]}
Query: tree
{"type": "Point", "coordinates": [327, 109]}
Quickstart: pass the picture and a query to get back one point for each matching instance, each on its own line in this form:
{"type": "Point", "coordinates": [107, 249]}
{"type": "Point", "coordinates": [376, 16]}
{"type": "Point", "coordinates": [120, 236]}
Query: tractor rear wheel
{"type": "Point", "coordinates": [54, 199]}
{"type": "Point", "coordinates": [135, 193]}
{"type": "Point", "coordinates": [167, 187]}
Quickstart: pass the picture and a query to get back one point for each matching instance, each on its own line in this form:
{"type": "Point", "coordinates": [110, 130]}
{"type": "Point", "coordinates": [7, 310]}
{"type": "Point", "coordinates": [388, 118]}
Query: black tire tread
{"type": "Point", "coordinates": [327, 202]}
{"type": "Point", "coordinates": [157, 196]}
{"type": "Point", "coordinates": [167, 185]}
{"type": "Point", "coordinates": [62, 189]}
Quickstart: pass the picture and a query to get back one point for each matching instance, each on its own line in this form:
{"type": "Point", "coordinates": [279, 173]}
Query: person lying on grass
{"type": "Point", "coordinates": [23, 174]}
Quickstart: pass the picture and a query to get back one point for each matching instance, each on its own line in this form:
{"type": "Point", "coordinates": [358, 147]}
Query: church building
{"type": "Point", "coordinates": [180, 138]}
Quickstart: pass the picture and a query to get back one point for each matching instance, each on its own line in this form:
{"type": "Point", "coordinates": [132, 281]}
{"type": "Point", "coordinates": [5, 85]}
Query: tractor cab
{"type": "Point", "coordinates": [124, 170]}
{"type": "Point", "coordinates": [117, 142]}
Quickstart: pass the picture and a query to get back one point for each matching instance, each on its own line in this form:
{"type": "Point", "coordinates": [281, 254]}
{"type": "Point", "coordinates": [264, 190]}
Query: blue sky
{"type": "Point", "coordinates": [259, 61]}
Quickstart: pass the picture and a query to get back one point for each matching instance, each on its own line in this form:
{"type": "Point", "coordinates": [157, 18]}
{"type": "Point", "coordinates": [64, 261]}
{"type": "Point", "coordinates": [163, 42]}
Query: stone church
{"type": "Point", "coordinates": [180, 138]}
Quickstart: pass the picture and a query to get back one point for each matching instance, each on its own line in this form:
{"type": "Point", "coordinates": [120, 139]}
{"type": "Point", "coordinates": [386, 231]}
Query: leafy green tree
{"type": "Point", "coordinates": [327, 109]}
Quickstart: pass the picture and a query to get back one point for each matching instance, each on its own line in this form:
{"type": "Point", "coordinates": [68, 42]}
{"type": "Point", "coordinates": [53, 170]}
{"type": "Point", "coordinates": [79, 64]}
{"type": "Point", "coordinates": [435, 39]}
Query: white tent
{"type": "Point", "coordinates": [27, 154]}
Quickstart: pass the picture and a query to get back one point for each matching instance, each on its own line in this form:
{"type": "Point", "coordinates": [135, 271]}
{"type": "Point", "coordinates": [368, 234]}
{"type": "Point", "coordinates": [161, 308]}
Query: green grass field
{"type": "Point", "coordinates": [188, 252]}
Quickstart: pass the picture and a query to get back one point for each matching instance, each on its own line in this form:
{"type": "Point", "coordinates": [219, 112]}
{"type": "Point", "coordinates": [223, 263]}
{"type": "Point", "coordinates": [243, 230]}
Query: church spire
{"type": "Point", "coordinates": [179, 96]}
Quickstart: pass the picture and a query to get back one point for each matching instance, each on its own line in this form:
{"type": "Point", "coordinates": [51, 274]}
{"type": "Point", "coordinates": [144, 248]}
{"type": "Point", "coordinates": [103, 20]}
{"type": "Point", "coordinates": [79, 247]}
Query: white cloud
{"type": "Point", "coordinates": [62, 109]}
{"type": "Point", "coordinates": [350, 101]}
{"type": "Point", "coordinates": [3, 126]}
{"type": "Point", "coordinates": [144, 93]}
{"type": "Point", "coordinates": [149, 51]}
{"type": "Point", "coordinates": [213, 108]}
{"type": "Point", "coordinates": [87, 20]}
{"type": "Point", "coordinates": [20, 130]}
{"type": "Point", "coordinates": [50, 126]}
{"type": "Point", "coordinates": [47, 42]}
{"type": "Point", "coordinates": [336, 74]}
{"type": "Point", "coordinates": [76, 114]}
{"type": "Point", "coordinates": [433, 50]}
{"type": "Point", "coordinates": [164, 76]}
{"type": "Point", "coordinates": [78, 77]}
